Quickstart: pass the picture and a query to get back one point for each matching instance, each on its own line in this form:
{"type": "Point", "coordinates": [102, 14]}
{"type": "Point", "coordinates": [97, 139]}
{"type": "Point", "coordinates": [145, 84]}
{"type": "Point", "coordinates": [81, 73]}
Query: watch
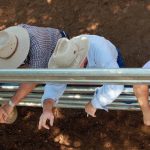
{"type": "Point", "coordinates": [11, 104]}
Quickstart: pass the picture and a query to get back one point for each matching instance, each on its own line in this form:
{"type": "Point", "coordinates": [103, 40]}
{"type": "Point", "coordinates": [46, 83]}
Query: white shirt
{"type": "Point", "coordinates": [101, 54]}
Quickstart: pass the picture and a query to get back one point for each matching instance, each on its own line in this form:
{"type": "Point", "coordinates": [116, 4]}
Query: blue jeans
{"type": "Point", "coordinates": [121, 64]}
{"type": "Point", "coordinates": [120, 60]}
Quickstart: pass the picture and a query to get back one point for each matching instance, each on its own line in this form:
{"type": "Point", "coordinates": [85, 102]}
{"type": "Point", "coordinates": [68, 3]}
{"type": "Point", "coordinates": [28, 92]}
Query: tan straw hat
{"type": "Point", "coordinates": [69, 53]}
{"type": "Point", "coordinates": [14, 47]}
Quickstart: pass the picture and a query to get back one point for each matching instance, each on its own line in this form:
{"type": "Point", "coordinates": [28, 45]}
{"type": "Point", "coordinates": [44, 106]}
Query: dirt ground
{"type": "Point", "coordinates": [127, 24]}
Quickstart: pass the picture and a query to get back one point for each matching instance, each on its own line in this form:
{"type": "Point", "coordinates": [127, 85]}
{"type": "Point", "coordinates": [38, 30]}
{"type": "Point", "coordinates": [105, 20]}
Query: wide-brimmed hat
{"type": "Point", "coordinates": [69, 53]}
{"type": "Point", "coordinates": [14, 47]}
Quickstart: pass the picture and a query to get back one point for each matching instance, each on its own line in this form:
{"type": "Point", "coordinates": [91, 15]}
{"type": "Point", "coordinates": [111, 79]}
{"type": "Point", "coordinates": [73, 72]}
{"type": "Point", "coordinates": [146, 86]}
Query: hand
{"type": "Point", "coordinates": [90, 110]}
{"type": "Point", "coordinates": [46, 115]}
{"type": "Point", "coordinates": [5, 111]}
{"type": "Point", "coordinates": [3, 115]}
{"type": "Point", "coordinates": [146, 115]}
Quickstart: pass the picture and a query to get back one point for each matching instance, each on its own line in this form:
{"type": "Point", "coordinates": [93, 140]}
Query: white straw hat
{"type": "Point", "coordinates": [69, 53]}
{"type": "Point", "coordinates": [14, 47]}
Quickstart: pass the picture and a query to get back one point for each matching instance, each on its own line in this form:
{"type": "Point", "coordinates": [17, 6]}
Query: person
{"type": "Point", "coordinates": [25, 46]}
{"type": "Point", "coordinates": [142, 94]}
{"type": "Point", "coordinates": [96, 52]}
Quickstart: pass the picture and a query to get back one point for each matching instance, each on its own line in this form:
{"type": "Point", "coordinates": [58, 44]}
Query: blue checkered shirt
{"type": "Point", "coordinates": [42, 44]}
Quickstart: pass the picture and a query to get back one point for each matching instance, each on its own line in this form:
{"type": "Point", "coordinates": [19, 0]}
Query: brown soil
{"type": "Point", "coordinates": [127, 24]}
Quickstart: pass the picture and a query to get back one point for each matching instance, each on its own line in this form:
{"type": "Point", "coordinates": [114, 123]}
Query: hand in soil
{"type": "Point", "coordinates": [46, 115]}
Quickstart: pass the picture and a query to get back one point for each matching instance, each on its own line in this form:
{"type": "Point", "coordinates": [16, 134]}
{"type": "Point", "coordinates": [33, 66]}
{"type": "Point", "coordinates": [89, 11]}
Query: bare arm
{"type": "Point", "coordinates": [142, 94]}
{"type": "Point", "coordinates": [52, 93]}
{"type": "Point", "coordinates": [23, 90]}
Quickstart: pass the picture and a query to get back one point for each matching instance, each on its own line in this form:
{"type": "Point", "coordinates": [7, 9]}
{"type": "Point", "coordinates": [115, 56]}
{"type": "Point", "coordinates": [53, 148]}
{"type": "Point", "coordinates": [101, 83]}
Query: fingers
{"type": "Point", "coordinates": [4, 104]}
{"type": "Point", "coordinates": [93, 115]}
{"type": "Point", "coordinates": [3, 115]}
{"type": "Point", "coordinates": [42, 123]}
{"type": "Point", "coordinates": [90, 110]}
{"type": "Point", "coordinates": [43, 119]}
{"type": "Point", "coordinates": [45, 126]}
{"type": "Point", "coordinates": [51, 120]}
{"type": "Point", "coordinates": [2, 121]}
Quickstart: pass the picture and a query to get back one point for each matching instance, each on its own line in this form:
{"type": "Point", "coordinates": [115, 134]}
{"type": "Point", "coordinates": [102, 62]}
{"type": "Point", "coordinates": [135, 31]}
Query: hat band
{"type": "Point", "coordinates": [13, 51]}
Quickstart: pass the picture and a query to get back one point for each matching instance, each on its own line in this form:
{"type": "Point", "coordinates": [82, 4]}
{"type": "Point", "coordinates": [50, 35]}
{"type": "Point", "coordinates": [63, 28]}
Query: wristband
{"type": "Point", "coordinates": [11, 104]}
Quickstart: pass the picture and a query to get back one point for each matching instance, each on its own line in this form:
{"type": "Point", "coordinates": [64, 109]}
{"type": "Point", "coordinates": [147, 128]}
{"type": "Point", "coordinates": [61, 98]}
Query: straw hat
{"type": "Point", "coordinates": [69, 53]}
{"type": "Point", "coordinates": [14, 47]}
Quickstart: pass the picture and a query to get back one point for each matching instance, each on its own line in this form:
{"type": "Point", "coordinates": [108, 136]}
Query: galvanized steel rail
{"type": "Point", "coordinates": [82, 85]}
{"type": "Point", "coordinates": [74, 97]}
{"type": "Point", "coordinates": [82, 76]}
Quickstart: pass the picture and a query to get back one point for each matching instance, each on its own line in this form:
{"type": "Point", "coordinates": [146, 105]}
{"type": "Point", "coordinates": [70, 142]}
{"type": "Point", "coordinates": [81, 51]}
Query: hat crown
{"type": "Point", "coordinates": [8, 43]}
{"type": "Point", "coordinates": [65, 54]}
{"type": "Point", "coordinates": [14, 47]}
{"type": "Point", "coordinates": [69, 53]}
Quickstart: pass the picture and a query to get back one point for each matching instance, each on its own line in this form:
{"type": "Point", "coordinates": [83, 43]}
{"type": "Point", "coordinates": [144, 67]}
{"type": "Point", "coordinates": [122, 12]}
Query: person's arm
{"type": "Point", "coordinates": [105, 56]}
{"type": "Point", "coordinates": [23, 90]}
{"type": "Point", "coordinates": [103, 96]}
{"type": "Point", "coordinates": [47, 114]}
{"type": "Point", "coordinates": [142, 94]}
{"type": "Point", "coordinates": [52, 93]}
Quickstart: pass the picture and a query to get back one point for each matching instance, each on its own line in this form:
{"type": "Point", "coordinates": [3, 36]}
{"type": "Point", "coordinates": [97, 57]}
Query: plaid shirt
{"type": "Point", "coordinates": [42, 44]}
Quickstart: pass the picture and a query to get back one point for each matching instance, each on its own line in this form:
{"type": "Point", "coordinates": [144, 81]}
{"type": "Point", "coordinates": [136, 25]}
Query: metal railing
{"type": "Point", "coordinates": [82, 84]}
{"type": "Point", "coordinates": [119, 76]}
{"type": "Point", "coordinates": [74, 97]}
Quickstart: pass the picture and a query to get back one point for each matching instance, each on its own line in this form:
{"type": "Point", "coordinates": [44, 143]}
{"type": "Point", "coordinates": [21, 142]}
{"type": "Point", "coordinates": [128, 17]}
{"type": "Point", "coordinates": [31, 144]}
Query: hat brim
{"type": "Point", "coordinates": [22, 49]}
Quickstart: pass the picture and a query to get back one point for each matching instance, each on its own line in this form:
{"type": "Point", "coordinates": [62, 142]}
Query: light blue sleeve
{"type": "Point", "coordinates": [147, 65]}
{"type": "Point", "coordinates": [105, 54]}
{"type": "Point", "coordinates": [106, 94]}
{"type": "Point", "coordinates": [53, 91]}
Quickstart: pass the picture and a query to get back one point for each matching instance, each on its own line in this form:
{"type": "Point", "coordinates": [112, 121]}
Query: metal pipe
{"type": "Point", "coordinates": [82, 76]}
{"type": "Point", "coordinates": [79, 104]}
{"type": "Point", "coordinates": [69, 89]}
{"type": "Point", "coordinates": [60, 105]}
{"type": "Point", "coordinates": [67, 96]}
{"type": "Point", "coordinates": [73, 99]}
